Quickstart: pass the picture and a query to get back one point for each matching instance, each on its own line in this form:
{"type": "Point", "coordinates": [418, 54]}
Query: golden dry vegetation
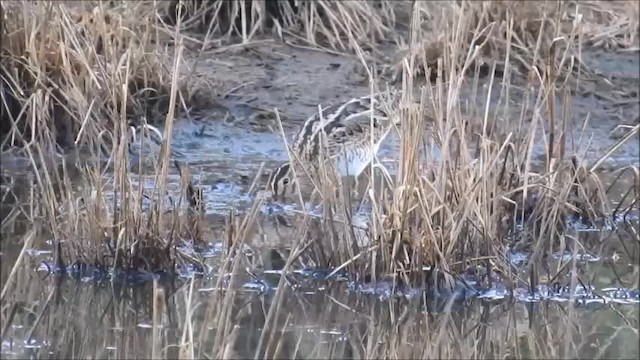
{"type": "Point", "coordinates": [76, 74]}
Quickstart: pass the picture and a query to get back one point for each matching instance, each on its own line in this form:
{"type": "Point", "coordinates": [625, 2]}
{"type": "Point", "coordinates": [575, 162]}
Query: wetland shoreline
{"type": "Point", "coordinates": [520, 242]}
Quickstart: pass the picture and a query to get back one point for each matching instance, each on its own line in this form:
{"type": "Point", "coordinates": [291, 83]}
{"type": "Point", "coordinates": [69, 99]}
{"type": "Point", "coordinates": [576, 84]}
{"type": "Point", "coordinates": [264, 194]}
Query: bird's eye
{"type": "Point", "coordinates": [285, 181]}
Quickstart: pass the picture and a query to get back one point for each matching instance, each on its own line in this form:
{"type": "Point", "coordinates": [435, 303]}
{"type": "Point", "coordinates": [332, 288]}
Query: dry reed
{"type": "Point", "coordinates": [95, 70]}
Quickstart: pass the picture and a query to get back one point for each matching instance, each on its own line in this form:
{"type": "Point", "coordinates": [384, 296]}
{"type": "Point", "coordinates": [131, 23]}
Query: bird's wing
{"type": "Point", "coordinates": [357, 112]}
{"type": "Point", "coordinates": [340, 122]}
{"type": "Point", "coordinates": [356, 117]}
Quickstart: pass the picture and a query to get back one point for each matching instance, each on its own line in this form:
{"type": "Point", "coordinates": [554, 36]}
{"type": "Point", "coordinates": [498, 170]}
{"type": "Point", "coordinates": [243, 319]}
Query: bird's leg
{"type": "Point", "coordinates": [349, 188]}
{"type": "Point", "coordinates": [355, 188]}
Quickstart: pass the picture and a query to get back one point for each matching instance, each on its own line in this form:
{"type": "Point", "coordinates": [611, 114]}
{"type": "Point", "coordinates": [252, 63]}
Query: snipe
{"type": "Point", "coordinates": [346, 135]}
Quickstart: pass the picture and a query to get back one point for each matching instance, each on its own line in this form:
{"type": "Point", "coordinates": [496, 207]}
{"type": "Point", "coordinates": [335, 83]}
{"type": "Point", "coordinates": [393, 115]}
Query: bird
{"type": "Point", "coordinates": [348, 134]}
{"type": "Point", "coordinates": [145, 144]}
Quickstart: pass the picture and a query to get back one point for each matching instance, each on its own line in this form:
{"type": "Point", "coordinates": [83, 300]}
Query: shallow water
{"type": "Point", "coordinates": [225, 158]}
{"type": "Point", "coordinates": [83, 314]}
{"type": "Point", "coordinates": [594, 314]}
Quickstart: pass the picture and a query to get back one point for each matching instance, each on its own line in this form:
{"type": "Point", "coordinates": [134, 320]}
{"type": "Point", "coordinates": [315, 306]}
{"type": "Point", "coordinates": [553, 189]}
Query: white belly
{"type": "Point", "coordinates": [354, 163]}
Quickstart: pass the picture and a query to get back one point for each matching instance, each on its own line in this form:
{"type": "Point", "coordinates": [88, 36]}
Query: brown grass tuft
{"type": "Point", "coordinates": [525, 35]}
{"type": "Point", "coordinates": [72, 70]}
{"type": "Point", "coordinates": [311, 23]}
{"type": "Point", "coordinates": [77, 78]}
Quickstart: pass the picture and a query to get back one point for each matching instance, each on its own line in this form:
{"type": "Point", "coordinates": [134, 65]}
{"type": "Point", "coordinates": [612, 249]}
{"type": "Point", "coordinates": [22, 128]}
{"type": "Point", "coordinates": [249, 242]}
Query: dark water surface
{"type": "Point", "coordinates": [78, 316]}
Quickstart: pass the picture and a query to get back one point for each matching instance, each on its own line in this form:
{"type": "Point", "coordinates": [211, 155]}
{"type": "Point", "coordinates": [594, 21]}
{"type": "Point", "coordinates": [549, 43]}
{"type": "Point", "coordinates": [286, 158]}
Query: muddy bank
{"type": "Point", "coordinates": [296, 81]}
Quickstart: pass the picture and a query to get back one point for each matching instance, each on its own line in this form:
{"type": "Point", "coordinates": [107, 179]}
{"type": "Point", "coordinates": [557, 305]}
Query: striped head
{"type": "Point", "coordinates": [282, 181]}
{"type": "Point", "coordinates": [147, 140]}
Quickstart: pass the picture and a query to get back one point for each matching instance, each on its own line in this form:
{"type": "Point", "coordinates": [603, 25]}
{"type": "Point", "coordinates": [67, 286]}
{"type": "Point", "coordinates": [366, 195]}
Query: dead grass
{"type": "Point", "coordinates": [525, 36]}
{"type": "Point", "coordinates": [103, 47]}
{"type": "Point", "coordinates": [319, 23]}
{"type": "Point", "coordinates": [610, 24]}
{"type": "Point", "coordinates": [77, 77]}
{"type": "Point", "coordinates": [165, 320]}
{"type": "Point", "coordinates": [76, 72]}
{"type": "Point", "coordinates": [74, 77]}
{"type": "Point", "coordinates": [466, 211]}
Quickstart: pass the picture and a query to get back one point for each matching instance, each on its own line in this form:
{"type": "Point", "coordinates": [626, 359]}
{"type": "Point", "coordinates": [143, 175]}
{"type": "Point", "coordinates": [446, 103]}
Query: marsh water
{"type": "Point", "coordinates": [91, 314]}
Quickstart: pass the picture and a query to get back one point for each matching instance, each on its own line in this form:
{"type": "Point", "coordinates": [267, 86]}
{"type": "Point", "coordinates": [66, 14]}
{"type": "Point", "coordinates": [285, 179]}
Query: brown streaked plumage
{"type": "Point", "coordinates": [342, 134]}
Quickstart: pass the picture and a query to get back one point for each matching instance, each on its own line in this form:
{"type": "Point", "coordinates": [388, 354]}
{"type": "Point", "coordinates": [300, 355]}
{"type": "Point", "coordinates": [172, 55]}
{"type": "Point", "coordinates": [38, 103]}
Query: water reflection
{"type": "Point", "coordinates": [247, 308]}
{"type": "Point", "coordinates": [80, 320]}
